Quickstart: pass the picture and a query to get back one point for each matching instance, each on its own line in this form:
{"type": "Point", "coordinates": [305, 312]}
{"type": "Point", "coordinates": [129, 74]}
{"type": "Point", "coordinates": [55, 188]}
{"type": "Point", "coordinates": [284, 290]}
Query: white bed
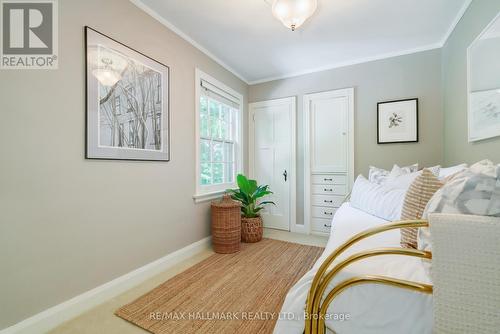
{"type": "Point", "coordinates": [371, 308]}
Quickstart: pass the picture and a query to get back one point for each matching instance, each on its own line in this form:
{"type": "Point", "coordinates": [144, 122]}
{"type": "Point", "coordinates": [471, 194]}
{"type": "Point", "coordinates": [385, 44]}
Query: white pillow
{"type": "Point", "coordinates": [403, 181]}
{"type": "Point", "coordinates": [380, 176]}
{"type": "Point", "coordinates": [445, 172]}
{"type": "Point", "coordinates": [383, 201]}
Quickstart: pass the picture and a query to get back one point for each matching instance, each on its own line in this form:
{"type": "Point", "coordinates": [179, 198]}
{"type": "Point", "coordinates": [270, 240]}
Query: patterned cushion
{"type": "Point", "coordinates": [416, 199]}
{"type": "Point", "coordinates": [435, 170]}
{"type": "Point", "coordinates": [380, 176]}
{"type": "Point", "coordinates": [474, 191]}
{"type": "Point", "coordinates": [377, 175]}
{"type": "Point", "coordinates": [398, 171]}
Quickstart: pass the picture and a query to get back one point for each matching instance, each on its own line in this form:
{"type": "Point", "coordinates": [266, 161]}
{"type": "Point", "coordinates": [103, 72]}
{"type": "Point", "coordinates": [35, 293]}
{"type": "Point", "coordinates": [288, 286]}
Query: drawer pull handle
{"type": "Point", "coordinates": [328, 179]}
{"type": "Point", "coordinates": [328, 213]}
{"type": "Point", "coordinates": [328, 226]}
{"type": "Point", "coordinates": [326, 189]}
{"type": "Point", "coordinates": [330, 201]}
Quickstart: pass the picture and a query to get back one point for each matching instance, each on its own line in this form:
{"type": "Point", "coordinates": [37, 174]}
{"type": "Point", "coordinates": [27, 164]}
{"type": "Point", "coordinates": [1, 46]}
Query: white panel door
{"type": "Point", "coordinates": [272, 157]}
{"type": "Point", "coordinates": [329, 122]}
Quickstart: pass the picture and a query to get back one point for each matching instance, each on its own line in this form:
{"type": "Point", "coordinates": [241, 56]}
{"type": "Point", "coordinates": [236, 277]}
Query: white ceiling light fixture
{"type": "Point", "coordinates": [293, 13]}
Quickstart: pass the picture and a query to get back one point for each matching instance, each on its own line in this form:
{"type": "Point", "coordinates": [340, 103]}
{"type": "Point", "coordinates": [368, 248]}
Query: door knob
{"type": "Point", "coordinates": [285, 175]}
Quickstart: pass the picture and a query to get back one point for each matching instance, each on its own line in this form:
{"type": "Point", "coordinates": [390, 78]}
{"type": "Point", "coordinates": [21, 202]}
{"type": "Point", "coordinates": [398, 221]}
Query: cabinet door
{"type": "Point", "coordinates": [329, 140]}
{"type": "Point", "coordinates": [321, 225]}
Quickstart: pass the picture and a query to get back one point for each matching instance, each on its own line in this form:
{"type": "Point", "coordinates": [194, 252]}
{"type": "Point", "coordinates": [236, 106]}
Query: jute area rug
{"type": "Point", "coordinates": [225, 293]}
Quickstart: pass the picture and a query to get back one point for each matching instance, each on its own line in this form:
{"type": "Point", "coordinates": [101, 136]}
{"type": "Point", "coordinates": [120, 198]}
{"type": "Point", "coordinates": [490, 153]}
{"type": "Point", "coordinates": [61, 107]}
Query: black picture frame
{"type": "Point", "coordinates": [167, 158]}
{"type": "Point", "coordinates": [416, 129]}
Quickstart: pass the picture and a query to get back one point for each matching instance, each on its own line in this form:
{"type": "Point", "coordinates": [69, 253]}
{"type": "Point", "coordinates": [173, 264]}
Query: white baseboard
{"type": "Point", "coordinates": [56, 315]}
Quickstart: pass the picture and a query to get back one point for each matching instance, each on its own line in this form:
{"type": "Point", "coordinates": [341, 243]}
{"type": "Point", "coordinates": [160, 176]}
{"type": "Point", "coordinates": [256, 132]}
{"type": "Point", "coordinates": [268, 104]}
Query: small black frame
{"type": "Point", "coordinates": [416, 117]}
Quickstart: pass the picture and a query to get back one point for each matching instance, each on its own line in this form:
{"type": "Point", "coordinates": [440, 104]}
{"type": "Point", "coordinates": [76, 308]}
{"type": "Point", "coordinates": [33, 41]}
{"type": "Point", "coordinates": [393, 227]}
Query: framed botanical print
{"type": "Point", "coordinates": [127, 102]}
{"type": "Point", "coordinates": [397, 121]}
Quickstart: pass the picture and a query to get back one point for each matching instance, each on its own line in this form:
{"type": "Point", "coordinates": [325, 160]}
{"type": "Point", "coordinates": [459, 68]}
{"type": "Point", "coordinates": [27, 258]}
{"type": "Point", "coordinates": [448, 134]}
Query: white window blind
{"type": "Point", "coordinates": [220, 95]}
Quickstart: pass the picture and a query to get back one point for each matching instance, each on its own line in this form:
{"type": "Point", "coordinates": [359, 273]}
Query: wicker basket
{"type": "Point", "coordinates": [226, 226]}
{"type": "Point", "coordinates": [251, 229]}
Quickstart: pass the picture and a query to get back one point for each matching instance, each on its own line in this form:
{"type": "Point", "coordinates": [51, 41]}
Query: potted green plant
{"type": "Point", "coordinates": [250, 195]}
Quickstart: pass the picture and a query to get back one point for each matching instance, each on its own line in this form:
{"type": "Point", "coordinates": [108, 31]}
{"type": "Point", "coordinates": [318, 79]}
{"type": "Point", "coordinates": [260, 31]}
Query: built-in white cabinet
{"type": "Point", "coordinates": [329, 155]}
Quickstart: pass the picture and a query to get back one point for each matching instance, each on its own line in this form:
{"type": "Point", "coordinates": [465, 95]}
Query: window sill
{"type": "Point", "coordinates": [200, 198]}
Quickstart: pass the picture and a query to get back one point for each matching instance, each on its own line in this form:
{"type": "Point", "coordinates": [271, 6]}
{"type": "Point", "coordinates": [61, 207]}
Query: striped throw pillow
{"type": "Point", "coordinates": [416, 199]}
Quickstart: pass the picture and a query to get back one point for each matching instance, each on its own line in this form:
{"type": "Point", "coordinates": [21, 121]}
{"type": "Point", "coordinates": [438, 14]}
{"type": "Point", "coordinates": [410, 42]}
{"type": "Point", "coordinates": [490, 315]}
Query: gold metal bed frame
{"type": "Point", "coordinates": [316, 309]}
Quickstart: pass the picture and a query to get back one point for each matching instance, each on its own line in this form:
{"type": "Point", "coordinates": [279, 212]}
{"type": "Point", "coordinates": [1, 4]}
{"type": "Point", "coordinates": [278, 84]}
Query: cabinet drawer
{"type": "Point", "coordinates": [321, 225]}
{"type": "Point", "coordinates": [329, 179]}
{"type": "Point", "coordinates": [323, 212]}
{"type": "Point", "coordinates": [330, 201]}
{"type": "Point", "coordinates": [325, 189]}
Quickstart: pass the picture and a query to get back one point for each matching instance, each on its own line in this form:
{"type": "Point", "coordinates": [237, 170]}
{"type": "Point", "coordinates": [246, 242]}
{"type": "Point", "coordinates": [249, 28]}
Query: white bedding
{"type": "Point", "coordinates": [371, 308]}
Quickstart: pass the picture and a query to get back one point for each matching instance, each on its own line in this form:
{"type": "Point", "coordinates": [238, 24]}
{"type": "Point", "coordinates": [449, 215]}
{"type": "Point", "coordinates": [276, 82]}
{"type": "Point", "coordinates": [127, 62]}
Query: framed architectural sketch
{"type": "Point", "coordinates": [397, 121]}
{"type": "Point", "coordinates": [127, 102]}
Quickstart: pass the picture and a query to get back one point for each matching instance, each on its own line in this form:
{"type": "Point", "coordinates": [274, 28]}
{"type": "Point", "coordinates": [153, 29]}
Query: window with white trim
{"type": "Point", "coordinates": [218, 136]}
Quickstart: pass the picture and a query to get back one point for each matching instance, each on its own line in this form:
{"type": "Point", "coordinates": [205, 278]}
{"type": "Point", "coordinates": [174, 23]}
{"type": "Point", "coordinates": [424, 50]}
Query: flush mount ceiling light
{"type": "Point", "coordinates": [293, 13]}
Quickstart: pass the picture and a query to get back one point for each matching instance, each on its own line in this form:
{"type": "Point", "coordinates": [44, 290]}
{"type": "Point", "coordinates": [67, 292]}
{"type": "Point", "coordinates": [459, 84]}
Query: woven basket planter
{"type": "Point", "coordinates": [251, 229]}
{"type": "Point", "coordinates": [226, 226]}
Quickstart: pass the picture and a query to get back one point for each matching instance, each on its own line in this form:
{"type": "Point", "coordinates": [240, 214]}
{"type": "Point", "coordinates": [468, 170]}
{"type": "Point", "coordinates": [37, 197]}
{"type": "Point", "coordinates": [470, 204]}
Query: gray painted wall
{"type": "Point", "coordinates": [456, 146]}
{"type": "Point", "coordinates": [70, 224]}
{"type": "Point", "coordinates": [415, 75]}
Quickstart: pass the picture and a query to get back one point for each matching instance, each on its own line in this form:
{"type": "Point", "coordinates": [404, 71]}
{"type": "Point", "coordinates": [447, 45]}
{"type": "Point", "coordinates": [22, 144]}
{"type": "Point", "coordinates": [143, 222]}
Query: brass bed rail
{"type": "Point", "coordinates": [316, 309]}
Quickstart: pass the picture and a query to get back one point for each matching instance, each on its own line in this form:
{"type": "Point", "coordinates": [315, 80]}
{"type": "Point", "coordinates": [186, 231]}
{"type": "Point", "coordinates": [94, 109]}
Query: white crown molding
{"type": "Point", "coordinates": [349, 63]}
{"type": "Point", "coordinates": [179, 32]}
{"type": "Point", "coordinates": [56, 315]}
{"type": "Point", "coordinates": [148, 10]}
{"type": "Point", "coordinates": [454, 24]}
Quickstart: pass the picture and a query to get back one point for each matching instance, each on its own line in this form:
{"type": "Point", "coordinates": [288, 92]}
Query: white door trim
{"type": "Point", "coordinates": [292, 102]}
{"type": "Point", "coordinates": [349, 93]}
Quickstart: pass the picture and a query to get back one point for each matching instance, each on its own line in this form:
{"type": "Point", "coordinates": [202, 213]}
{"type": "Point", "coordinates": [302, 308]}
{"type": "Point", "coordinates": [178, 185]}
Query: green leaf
{"type": "Point", "coordinates": [253, 186]}
{"type": "Point", "coordinates": [262, 194]}
{"type": "Point", "coordinates": [243, 183]}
